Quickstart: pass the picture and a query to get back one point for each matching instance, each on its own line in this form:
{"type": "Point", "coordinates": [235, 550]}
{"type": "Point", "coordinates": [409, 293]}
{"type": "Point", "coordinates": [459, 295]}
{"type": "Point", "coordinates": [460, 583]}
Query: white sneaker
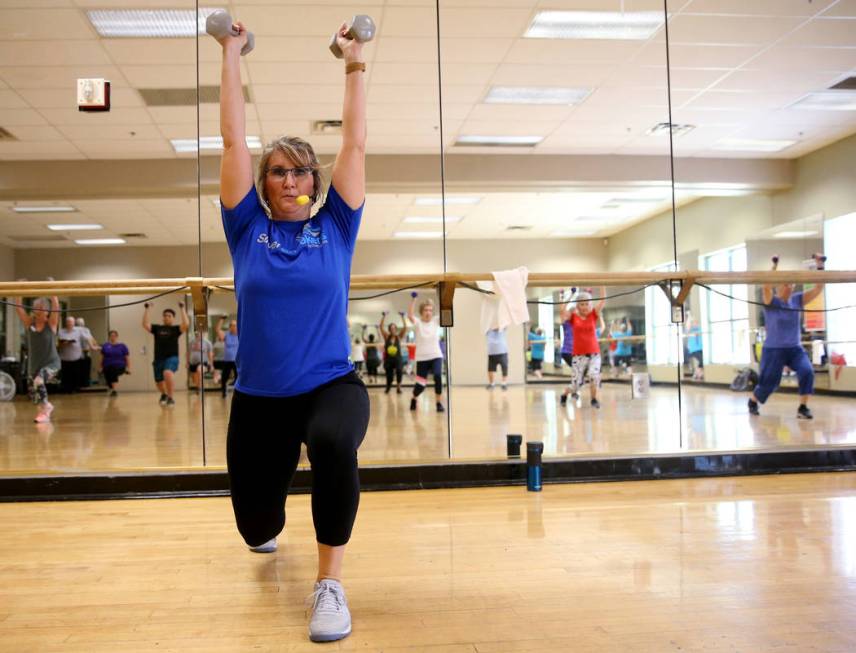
{"type": "Point", "coordinates": [331, 619]}
{"type": "Point", "coordinates": [267, 547]}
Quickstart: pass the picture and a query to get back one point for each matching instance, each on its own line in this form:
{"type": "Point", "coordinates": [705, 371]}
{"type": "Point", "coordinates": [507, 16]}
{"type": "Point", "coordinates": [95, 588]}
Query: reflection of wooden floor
{"type": "Point", "coordinates": [92, 432]}
{"type": "Point", "coordinates": [748, 564]}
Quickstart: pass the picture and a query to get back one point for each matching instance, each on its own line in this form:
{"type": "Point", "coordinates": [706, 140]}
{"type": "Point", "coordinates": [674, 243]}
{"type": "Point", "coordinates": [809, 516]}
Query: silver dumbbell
{"type": "Point", "coordinates": [219, 24]}
{"type": "Point", "coordinates": [361, 29]}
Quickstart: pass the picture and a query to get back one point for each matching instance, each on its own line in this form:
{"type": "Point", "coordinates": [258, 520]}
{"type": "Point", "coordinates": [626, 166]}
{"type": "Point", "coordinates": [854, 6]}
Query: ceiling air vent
{"type": "Point", "coordinates": [519, 227]}
{"type": "Point", "coordinates": [6, 136]}
{"type": "Point", "coordinates": [183, 97]}
{"type": "Point", "coordinates": [848, 84]}
{"type": "Point", "coordinates": [327, 127]}
{"type": "Point", "coordinates": [133, 236]}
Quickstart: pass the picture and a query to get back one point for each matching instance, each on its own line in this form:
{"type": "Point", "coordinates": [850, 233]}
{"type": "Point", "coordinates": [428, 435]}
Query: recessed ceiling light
{"type": "Point", "coordinates": [629, 25]}
{"type": "Point", "coordinates": [450, 199]}
{"type": "Point", "coordinates": [827, 101]}
{"type": "Point", "coordinates": [425, 219]}
{"type": "Point", "coordinates": [44, 209]}
{"type": "Point", "coordinates": [100, 241]}
{"type": "Point", "coordinates": [499, 141]}
{"type": "Point", "coordinates": [795, 234]}
{"type": "Point", "coordinates": [149, 23]}
{"type": "Point", "coordinates": [536, 95]}
{"type": "Point", "coordinates": [752, 145]}
{"type": "Point", "coordinates": [182, 145]}
{"type": "Point", "coordinates": [74, 227]}
{"type": "Point", "coordinates": [417, 234]}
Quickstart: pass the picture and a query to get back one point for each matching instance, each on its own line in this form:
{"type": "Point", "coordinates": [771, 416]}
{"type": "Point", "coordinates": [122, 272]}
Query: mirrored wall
{"type": "Point", "coordinates": [584, 137]}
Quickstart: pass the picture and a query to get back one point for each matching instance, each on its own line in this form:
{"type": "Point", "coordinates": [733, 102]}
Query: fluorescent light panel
{"type": "Point", "coordinates": [630, 25]}
{"type": "Point", "coordinates": [795, 234]}
{"type": "Point", "coordinates": [74, 227]}
{"type": "Point", "coordinates": [100, 241]}
{"type": "Point", "coordinates": [450, 199]}
{"type": "Point", "coordinates": [183, 145]}
{"type": "Point", "coordinates": [44, 209]}
{"type": "Point", "coordinates": [751, 145]}
{"type": "Point", "coordinates": [827, 101]}
{"type": "Point", "coordinates": [499, 141]}
{"type": "Point", "coordinates": [418, 234]}
{"type": "Point", "coordinates": [148, 23]}
{"type": "Point", "coordinates": [425, 219]}
{"type": "Point", "coordinates": [536, 95]}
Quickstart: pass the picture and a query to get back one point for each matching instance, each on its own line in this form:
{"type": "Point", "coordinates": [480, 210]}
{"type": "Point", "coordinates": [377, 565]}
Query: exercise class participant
{"type": "Point", "coordinates": [372, 356]}
{"type": "Point", "coordinates": [292, 273]}
{"type": "Point", "coordinates": [694, 347]}
{"type": "Point", "coordinates": [358, 355]}
{"type": "Point", "coordinates": [115, 361]}
{"type": "Point", "coordinates": [497, 356]}
{"type": "Point", "coordinates": [623, 348]}
{"type": "Point", "coordinates": [86, 344]}
{"type": "Point", "coordinates": [782, 313]}
{"type": "Point", "coordinates": [165, 363]}
{"type": "Point", "coordinates": [586, 359]}
{"type": "Point", "coordinates": [230, 352]}
{"type": "Point", "coordinates": [200, 359]}
{"type": "Point", "coordinates": [43, 363]}
{"type": "Point", "coordinates": [393, 364]}
{"type": "Point", "coordinates": [537, 345]}
{"type": "Point", "coordinates": [71, 354]}
{"type": "Point", "coordinates": [429, 356]}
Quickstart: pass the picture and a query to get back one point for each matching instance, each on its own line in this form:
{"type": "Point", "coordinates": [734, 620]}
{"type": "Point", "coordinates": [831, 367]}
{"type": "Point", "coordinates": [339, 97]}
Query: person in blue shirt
{"type": "Point", "coordinates": [694, 347]}
{"type": "Point", "coordinates": [497, 356]}
{"type": "Point", "coordinates": [291, 246]}
{"type": "Point", "coordinates": [537, 343]}
{"type": "Point", "coordinates": [230, 351]}
{"type": "Point", "coordinates": [782, 314]}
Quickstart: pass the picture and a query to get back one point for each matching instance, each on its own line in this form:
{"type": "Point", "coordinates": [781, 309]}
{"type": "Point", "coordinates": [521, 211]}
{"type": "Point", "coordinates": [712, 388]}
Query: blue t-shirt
{"type": "Point", "coordinates": [496, 343]}
{"type": "Point", "coordinates": [567, 337]}
{"type": "Point", "coordinates": [622, 345]}
{"type": "Point", "coordinates": [783, 326]}
{"type": "Point", "coordinates": [230, 347]}
{"type": "Point", "coordinates": [291, 282]}
{"type": "Point", "coordinates": [538, 344]}
{"type": "Point", "coordinates": [694, 339]}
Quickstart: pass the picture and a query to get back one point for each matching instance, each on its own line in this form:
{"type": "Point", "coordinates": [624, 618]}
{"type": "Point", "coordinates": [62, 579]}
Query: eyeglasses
{"type": "Point", "coordinates": [278, 173]}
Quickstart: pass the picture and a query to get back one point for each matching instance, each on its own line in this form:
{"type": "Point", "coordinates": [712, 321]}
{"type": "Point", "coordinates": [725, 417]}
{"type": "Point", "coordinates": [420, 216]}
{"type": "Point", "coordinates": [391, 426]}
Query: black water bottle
{"type": "Point", "coordinates": [512, 444]}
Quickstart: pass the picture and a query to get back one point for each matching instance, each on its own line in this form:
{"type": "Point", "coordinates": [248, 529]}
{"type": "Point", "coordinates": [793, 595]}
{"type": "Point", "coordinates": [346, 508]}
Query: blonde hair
{"type": "Point", "coordinates": [424, 304]}
{"type": "Point", "coordinates": [298, 151]}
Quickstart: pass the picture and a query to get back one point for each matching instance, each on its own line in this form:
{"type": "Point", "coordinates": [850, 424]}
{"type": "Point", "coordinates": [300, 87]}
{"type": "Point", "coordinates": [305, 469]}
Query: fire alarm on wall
{"type": "Point", "coordinates": [93, 95]}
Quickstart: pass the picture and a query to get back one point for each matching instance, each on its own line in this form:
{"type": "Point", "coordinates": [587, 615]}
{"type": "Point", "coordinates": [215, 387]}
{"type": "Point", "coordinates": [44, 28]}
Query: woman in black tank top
{"type": "Point", "coordinates": [392, 362]}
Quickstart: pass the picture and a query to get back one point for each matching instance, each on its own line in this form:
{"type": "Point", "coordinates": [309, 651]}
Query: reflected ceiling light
{"type": "Point", "coordinates": [437, 219]}
{"type": "Point", "coordinates": [827, 101]}
{"type": "Point", "coordinates": [101, 241]}
{"type": "Point", "coordinates": [795, 234]}
{"type": "Point", "coordinates": [499, 141]}
{"type": "Point", "coordinates": [149, 23]}
{"type": "Point", "coordinates": [536, 95]}
{"type": "Point", "coordinates": [44, 209]}
{"type": "Point", "coordinates": [418, 234]}
{"type": "Point", "coordinates": [74, 227]}
{"type": "Point", "coordinates": [183, 145]}
{"type": "Point", "coordinates": [628, 25]}
{"type": "Point", "coordinates": [450, 199]}
{"type": "Point", "coordinates": [751, 145]}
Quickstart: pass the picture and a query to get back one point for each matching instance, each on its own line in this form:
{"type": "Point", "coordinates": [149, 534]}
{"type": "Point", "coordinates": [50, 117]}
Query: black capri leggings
{"type": "Point", "coordinates": [263, 448]}
{"type": "Point", "coordinates": [435, 367]}
{"type": "Point", "coordinates": [112, 374]}
{"type": "Point", "coordinates": [393, 366]}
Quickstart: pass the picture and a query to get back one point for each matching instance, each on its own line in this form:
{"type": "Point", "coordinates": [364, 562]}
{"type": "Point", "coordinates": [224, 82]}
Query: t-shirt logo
{"type": "Point", "coordinates": [310, 237]}
{"type": "Point", "coordinates": [263, 238]}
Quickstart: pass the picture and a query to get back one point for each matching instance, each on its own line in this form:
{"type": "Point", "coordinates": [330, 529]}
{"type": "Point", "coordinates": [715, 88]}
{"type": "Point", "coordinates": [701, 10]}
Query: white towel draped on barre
{"type": "Point", "coordinates": [508, 304]}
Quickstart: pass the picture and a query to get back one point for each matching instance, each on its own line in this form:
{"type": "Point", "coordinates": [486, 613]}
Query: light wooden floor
{"type": "Point", "coordinates": [761, 564]}
{"type": "Point", "coordinates": [92, 432]}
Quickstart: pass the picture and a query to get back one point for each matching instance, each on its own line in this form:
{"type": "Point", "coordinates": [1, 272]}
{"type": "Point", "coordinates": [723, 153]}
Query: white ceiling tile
{"type": "Point", "coordinates": [842, 9]}
{"type": "Point", "coordinates": [102, 132]}
{"type": "Point", "coordinates": [296, 20]}
{"type": "Point", "coordinates": [387, 73]}
{"type": "Point", "coordinates": [36, 24]}
{"type": "Point", "coordinates": [777, 80]}
{"type": "Point", "coordinates": [11, 100]}
{"type": "Point", "coordinates": [404, 128]}
{"type": "Point", "coordinates": [36, 133]}
{"type": "Point", "coordinates": [304, 73]}
{"type": "Point", "coordinates": [174, 115]}
{"type": "Point", "coordinates": [475, 50]}
{"type": "Point", "coordinates": [299, 111]}
{"type": "Point", "coordinates": [757, 7]}
{"type": "Point", "coordinates": [172, 76]}
{"type": "Point", "coordinates": [740, 100]}
{"type": "Point", "coordinates": [409, 94]}
{"type": "Point", "coordinates": [14, 117]}
{"type": "Point", "coordinates": [825, 32]}
{"type": "Point", "coordinates": [467, 73]}
{"type": "Point", "coordinates": [58, 76]}
{"type": "Point", "coordinates": [206, 128]}
{"type": "Point", "coordinates": [37, 149]}
{"type": "Point", "coordinates": [53, 53]}
{"type": "Point", "coordinates": [409, 21]}
{"type": "Point", "coordinates": [731, 30]}
{"type": "Point", "coordinates": [151, 51]}
{"type": "Point", "coordinates": [401, 49]}
{"type": "Point", "coordinates": [806, 59]}
{"type": "Point", "coordinates": [553, 52]}
{"type": "Point", "coordinates": [477, 23]}
{"type": "Point", "coordinates": [126, 116]}
{"type": "Point", "coordinates": [283, 93]}
{"type": "Point", "coordinates": [54, 98]}
{"type": "Point", "coordinates": [696, 55]}
{"type": "Point", "coordinates": [512, 113]}
{"type": "Point", "coordinates": [568, 75]}
{"type": "Point", "coordinates": [508, 128]}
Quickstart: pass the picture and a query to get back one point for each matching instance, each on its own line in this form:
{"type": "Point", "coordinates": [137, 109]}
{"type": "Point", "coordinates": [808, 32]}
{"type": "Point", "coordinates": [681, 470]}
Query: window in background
{"type": "Point", "coordinates": [661, 345]}
{"type": "Point", "coordinates": [839, 234]}
{"type": "Point", "coordinates": [725, 321]}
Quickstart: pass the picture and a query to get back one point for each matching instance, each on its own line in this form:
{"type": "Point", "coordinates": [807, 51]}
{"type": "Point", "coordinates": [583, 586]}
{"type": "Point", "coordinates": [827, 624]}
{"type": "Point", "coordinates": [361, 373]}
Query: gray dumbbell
{"type": "Point", "coordinates": [361, 29]}
{"type": "Point", "coordinates": [219, 24]}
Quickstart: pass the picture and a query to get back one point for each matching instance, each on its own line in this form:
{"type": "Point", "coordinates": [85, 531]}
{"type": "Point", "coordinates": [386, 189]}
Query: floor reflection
{"type": "Point", "coordinates": [92, 431]}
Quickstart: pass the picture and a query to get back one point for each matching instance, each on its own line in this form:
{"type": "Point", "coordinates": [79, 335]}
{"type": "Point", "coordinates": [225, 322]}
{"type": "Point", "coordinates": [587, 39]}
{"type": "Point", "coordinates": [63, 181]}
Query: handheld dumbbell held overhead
{"type": "Point", "coordinates": [219, 24]}
{"type": "Point", "coordinates": [361, 28]}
